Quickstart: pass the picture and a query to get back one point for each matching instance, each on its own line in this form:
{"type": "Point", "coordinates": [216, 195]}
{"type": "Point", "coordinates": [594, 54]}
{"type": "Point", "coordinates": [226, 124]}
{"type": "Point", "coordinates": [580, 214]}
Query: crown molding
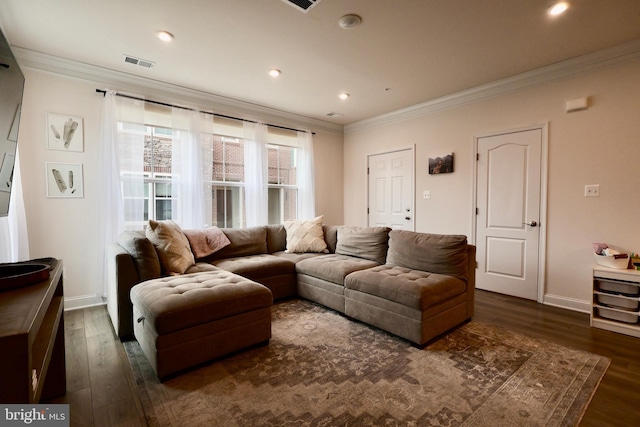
{"type": "Point", "coordinates": [592, 62]}
{"type": "Point", "coordinates": [128, 82]}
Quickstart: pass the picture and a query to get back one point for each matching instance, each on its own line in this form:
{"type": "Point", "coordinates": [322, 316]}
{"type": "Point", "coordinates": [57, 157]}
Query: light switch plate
{"type": "Point", "coordinates": [426, 194]}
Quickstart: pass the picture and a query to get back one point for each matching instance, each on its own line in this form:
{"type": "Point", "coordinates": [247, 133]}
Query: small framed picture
{"type": "Point", "coordinates": [442, 164]}
{"type": "Point", "coordinates": [65, 133]}
{"type": "Point", "coordinates": [64, 180]}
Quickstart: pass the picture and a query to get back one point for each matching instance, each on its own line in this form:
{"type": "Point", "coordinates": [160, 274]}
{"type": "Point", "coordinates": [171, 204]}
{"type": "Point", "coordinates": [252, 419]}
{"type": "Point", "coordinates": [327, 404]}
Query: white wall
{"type": "Point", "coordinates": [598, 146]}
{"type": "Point", "coordinates": [66, 228]}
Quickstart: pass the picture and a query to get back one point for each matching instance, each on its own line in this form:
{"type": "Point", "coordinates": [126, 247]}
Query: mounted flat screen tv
{"type": "Point", "coordinates": [11, 88]}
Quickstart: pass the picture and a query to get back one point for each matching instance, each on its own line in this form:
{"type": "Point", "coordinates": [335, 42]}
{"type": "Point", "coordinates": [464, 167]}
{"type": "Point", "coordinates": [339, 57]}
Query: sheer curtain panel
{"type": "Point", "coordinates": [306, 177]}
{"type": "Point", "coordinates": [14, 239]}
{"type": "Point", "coordinates": [255, 174]}
{"type": "Point", "coordinates": [121, 173]}
{"type": "Point", "coordinates": [187, 186]}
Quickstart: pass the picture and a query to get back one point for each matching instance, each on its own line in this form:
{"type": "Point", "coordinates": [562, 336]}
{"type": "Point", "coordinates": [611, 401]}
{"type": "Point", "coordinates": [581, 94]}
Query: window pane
{"type": "Point", "coordinates": [157, 152]}
{"type": "Point", "coordinates": [228, 159]}
{"type": "Point", "coordinates": [282, 205]}
{"type": "Point", "coordinates": [228, 206]}
{"type": "Point", "coordinates": [282, 165]}
{"type": "Point", "coordinates": [163, 209]}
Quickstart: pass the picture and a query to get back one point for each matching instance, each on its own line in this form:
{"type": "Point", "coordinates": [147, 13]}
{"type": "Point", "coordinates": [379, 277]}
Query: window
{"type": "Point", "coordinates": [283, 192]}
{"type": "Point", "coordinates": [225, 183]}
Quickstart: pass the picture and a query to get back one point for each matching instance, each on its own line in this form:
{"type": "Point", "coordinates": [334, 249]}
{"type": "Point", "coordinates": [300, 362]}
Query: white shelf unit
{"type": "Point", "coordinates": [616, 300]}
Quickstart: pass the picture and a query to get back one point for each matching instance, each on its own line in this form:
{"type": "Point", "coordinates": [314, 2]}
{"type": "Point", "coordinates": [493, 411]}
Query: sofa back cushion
{"type": "Point", "coordinates": [244, 241]}
{"type": "Point", "coordinates": [433, 253]}
{"type": "Point", "coordinates": [144, 254]}
{"type": "Point", "coordinates": [276, 238]}
{"type": "Point", "coordinates": [331, 237]}
{"type": "Point", "coordinates": [363, 242]}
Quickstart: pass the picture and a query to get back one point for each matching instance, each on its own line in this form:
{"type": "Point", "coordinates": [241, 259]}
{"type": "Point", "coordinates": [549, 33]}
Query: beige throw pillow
{"type": "Point", "coordinates": [305, 236]}
{"type": "Point", "coordinates": [172, 246]}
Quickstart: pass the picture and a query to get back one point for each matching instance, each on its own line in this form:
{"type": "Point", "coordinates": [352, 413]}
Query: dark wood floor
{"type": "Point", "coordinates": [101, 391]}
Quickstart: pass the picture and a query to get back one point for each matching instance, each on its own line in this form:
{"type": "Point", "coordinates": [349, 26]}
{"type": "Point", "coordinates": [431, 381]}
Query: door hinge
{"type": "Point", "coordinates": [477, 156]}
{"type": "Point", "coordinates": [477, 211]}
{"type": "Point", "coordinates": [367, 171]}
{"type": "Point", "coordinates": [367, 211]}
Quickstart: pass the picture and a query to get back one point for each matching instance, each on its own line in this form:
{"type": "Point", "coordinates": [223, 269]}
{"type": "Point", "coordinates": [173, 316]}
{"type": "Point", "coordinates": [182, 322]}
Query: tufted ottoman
{"type": "Point", "coordinates": [413, 304]}
{"type": "Point", "coordinates": [182, 321]}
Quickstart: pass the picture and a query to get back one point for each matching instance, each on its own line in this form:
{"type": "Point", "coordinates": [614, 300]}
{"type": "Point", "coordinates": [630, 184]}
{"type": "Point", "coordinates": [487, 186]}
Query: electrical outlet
{"type": "Point", "coordinates": [426, 194]}
{"type": "Point", "coordinates": [592, 190]}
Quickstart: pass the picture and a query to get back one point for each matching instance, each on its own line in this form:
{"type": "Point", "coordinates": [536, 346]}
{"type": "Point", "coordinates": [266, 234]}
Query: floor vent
{"type": "Point", "coordinates": [137, 61]}
{"type": "Point", "coordinates": [302, 5]}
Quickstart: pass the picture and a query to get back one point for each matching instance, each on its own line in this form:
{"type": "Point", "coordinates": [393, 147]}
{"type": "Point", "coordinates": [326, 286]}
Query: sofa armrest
{"type": "Point", "coordinates": [121, 277]}
{"type": "Point", "coordinates": [471, 279]}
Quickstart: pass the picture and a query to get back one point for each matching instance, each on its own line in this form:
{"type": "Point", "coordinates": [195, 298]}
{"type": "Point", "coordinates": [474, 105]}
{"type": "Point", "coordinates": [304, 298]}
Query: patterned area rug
{"type": "Point", "coordinates": [322, 369]}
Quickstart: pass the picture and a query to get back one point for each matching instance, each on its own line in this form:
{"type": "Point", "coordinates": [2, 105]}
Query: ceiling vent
{"type": "Point", "coordinates": [302, 5]}
{"type": "Point", "coordinates": [332, 114]}
{"type": "Point", "coordinates": [137, 61]}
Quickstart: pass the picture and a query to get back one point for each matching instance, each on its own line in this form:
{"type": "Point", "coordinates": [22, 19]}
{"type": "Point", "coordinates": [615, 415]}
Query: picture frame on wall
{"type": "Point", "coordinates": [64, 180]}
{"type": "Point", "coordinates": [65, 133]}
{"type": "Point", "coordinates": [440, 165]}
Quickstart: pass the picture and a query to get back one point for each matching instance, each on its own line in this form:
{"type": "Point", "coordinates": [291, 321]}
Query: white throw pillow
{"type": "Point", "coordinates": [172, 245]}
{"type": "Point", "coordinates": [305, 236]}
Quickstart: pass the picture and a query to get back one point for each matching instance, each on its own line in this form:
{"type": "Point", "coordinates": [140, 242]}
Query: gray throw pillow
{"type": "Point", "coordinates": [363, 242]}
{"type": "Point", "coordinates": [143, 253]}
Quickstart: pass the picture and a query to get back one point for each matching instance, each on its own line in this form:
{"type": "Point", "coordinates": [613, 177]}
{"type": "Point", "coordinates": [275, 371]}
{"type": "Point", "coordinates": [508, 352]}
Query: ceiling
{"type": "Point", "coordinates": [405, 52]}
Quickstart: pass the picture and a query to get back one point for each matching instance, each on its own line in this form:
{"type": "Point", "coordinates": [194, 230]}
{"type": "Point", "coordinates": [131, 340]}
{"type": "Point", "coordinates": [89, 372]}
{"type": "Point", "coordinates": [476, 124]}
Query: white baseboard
{"type": "Point", "coordinates": [84, 301]}
{"type": "Point", "coordinates": [568, 303]}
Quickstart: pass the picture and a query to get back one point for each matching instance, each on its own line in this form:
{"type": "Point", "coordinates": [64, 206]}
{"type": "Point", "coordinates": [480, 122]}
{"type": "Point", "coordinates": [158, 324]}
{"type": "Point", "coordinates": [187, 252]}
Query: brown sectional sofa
{"type": "Point", "coordinates": [414, 285]}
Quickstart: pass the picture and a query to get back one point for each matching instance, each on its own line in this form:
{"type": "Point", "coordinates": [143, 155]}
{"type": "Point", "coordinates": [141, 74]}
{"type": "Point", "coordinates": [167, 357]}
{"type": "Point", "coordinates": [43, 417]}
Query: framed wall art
{"type": "Point", "coordinates": [442, 164]}
{"type": "Point", "coordinates": [64, 180]}
{"type": "Point", "coordinates": [65, 133]}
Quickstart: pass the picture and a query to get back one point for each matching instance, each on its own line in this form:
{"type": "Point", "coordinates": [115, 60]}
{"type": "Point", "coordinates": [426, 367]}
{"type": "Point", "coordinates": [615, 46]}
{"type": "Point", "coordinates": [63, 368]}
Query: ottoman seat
{"type": "Point", "coordinates": [182, 321]}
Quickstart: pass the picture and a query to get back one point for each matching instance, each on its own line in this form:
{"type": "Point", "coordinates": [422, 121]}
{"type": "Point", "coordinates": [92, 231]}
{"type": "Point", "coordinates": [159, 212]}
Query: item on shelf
{"type": "Point", "coordinates": [613, 261]}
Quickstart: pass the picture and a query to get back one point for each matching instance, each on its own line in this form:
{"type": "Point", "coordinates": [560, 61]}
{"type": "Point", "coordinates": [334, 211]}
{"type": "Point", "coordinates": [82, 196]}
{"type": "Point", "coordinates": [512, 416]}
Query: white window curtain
{"type": "Point", "coordinates": [305, 177]}
{"type": "Point", "coordinates": [256, 174]}
{"type": "Point", "coordinates": [14, 239]}
{"type": "Point", "coordinates": [187, 185]}
{"type": "Point", "coordinates": [120, 175]}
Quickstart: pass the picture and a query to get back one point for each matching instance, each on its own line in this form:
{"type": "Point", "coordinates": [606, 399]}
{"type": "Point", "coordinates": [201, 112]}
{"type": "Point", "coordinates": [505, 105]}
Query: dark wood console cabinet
{"type": "Point", "coordinates": [32, 356]}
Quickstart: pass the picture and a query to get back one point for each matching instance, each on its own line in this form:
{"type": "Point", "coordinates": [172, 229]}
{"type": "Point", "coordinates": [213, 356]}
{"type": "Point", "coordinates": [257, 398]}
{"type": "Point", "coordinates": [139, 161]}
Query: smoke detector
{"type": "Point", "coordinates": [349, 21]}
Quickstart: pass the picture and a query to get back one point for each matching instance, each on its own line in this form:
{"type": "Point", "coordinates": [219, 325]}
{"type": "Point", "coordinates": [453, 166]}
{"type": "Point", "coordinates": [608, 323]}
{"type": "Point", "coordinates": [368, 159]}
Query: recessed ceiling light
{"type": "Point", "coordinates": [558, 8]}
{"type": "Point", "coordinates": [343, 95]}
{"type": "Point", "coordinates": [165, 36]}
{"type": "Point", "coordinates": [274, 72]}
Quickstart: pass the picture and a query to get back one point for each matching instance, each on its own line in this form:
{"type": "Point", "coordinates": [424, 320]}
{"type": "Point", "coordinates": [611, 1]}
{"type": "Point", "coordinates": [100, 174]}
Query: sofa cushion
{"type": "Point", "coordinates": [256, 267]}
{"type": "Point", "coordinates": [363, 242]}
{"type": "Point", "coordinates": [244, 241]}
{"type": "Point", "coordinates": [172, 246]}
{"type": "Point", "coordinates": [276, 238]}
{"type": "Point", "coordinates": [412, 288]}
{"type": "Point", "coordinates": [178, 302]}
{"type": "Point", "coordinates": [305, 236]}
{"type": "Point", "coordinates": [332, 267]}
{"type": "Point", "coordinates": [206, 241]}
{"type": "Point", "coordinates": [433, 253]}
{"type": "Point", "coordinates": [143, 253]}
{"type": "Point", "coordinates": [331, 237]}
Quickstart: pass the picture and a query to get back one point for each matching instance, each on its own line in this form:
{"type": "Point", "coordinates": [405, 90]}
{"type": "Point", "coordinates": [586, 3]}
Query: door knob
{"type": "Point", "coordinates": [408, 218]}
{"type": "Point", "coordinates": [531, 224]}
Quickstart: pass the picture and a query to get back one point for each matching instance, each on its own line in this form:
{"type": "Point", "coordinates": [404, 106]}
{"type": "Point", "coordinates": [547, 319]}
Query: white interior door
{"type": "Point", "coordinates": [391, 190]}
{"type": "Point", "coordinates": [508, 216]}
